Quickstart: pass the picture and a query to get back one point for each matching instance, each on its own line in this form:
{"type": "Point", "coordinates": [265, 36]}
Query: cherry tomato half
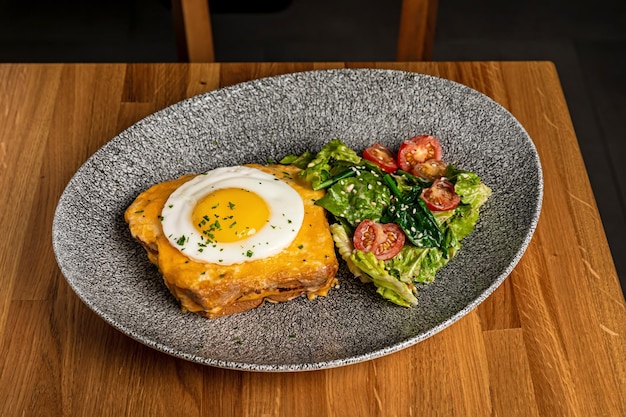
{"type": "Point", "coordinates": [384, 240]}
{"type": "Point", "coordinates": [430, 170]}
{"type": "Point", "coordinates": [381, 156]}
{"type": "Point", "coordinates": [417, 150]}
{"type": "Point", "coordinates": [441, 196]}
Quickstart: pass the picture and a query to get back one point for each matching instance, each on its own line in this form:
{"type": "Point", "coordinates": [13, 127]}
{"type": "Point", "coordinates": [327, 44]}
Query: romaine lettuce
{"type": "Point", "coordinates": [474, 194]}
{"type": "Point", "coordinates": [345, 248]}
{"type": "Point", "coordinates": [319, 168]}
{"type": "Point", "coordinates": [388, 286]}
{"type": "Point", "coordinates": [472, 191]}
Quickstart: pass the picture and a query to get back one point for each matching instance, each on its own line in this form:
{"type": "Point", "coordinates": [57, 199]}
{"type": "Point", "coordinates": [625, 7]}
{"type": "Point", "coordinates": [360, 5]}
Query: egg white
{"type": "Point", "coordinates": [285, 218]}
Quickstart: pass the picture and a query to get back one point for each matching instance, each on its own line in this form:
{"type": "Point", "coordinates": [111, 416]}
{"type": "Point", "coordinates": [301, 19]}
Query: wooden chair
{"type": "Point", "coordinates": [192, 23]}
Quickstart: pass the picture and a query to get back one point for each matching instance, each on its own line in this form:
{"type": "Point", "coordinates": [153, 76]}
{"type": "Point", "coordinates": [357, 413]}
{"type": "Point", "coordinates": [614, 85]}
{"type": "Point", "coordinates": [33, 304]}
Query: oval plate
{"type": "Point", "coordinates": [264, 120]}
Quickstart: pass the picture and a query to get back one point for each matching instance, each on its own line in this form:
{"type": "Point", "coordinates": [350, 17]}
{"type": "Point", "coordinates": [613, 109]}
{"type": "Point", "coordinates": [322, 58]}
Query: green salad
{"type": "Point", "coordinates": [396, 217]}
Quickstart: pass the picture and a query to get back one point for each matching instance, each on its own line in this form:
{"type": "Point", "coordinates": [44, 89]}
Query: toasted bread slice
{"type": "Point", "coordinates": [306, 267]}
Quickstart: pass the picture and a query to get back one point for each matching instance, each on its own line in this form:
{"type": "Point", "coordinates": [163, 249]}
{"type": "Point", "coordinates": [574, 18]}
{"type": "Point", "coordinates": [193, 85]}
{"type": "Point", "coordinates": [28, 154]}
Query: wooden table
{"type": "Point", "coordinates": [548, 342]}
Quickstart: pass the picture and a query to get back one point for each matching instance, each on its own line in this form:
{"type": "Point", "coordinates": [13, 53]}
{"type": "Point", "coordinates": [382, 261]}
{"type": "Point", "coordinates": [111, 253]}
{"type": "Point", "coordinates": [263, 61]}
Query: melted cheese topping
{"type": "Point", "coordinates": [307, 265]}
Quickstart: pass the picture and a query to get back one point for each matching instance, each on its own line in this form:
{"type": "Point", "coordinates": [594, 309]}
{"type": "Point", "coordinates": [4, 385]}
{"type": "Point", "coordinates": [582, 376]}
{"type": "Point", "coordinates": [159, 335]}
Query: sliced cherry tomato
{"type": "Point", "coordinates": [441, 196]}
{"type": "Point", "coordinates": [384, 240]}
{"type": "Point", "coordinates": [417, 150]}
{"type": "Point", "coordinates": [430, 170]}
{"type": "Point", "coordinates": [381, 156]}
{"type": "Point", "coordinates": [365, 235]}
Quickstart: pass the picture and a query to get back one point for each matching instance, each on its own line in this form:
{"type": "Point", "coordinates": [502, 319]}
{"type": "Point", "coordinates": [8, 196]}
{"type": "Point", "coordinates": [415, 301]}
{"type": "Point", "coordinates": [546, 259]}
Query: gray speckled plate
{"type": "Point", "coordinates": [267, 119]}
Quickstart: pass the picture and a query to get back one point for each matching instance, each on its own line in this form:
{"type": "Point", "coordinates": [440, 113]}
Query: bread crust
{"type": "Point", "coordinates": [307, 267]}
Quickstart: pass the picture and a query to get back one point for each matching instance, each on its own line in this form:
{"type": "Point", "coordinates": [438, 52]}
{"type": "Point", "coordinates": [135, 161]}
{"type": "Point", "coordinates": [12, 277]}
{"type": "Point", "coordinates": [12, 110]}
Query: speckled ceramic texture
{"type": "Point", "coordinates": [264, 120]}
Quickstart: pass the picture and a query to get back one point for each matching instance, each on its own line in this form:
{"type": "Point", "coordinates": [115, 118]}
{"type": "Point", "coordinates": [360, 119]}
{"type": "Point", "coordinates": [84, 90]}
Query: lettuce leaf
{"type": "Point", "coordinates": [471, 189]}
{"type": "Point", "coordinates": [357, 198]}
{"type": "Point", "coordinates": [388, 286]}
{"type": "Point", "coordinates": [406, 265]}
{"type": "Point", "coordinates": [345, 247]}
{"type": "Point", "coordinates": [301, 161]}
{"type": "Point", "coordinates": [474, 194]}
{"type": "Point", "coordinates": [418, 265]}
{"type": "Point", "coordinates": [318, 170]}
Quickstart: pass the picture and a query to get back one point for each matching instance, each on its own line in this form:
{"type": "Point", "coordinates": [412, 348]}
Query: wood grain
{"type": "Point", "coordinates": [548, 342]}
{"type": "Point", "coordinates": [194, 31]}
{"type": "Point", "coordinates": [416, 32]}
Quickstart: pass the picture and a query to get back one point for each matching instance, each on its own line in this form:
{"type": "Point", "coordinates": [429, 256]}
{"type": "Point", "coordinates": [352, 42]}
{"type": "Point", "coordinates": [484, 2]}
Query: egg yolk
{"type": "Point", "coordinates": [230, 215]}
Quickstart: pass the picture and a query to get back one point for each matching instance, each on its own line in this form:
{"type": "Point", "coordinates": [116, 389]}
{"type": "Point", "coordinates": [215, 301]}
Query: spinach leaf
{"type": "Point", "coordinates": [409, 212]}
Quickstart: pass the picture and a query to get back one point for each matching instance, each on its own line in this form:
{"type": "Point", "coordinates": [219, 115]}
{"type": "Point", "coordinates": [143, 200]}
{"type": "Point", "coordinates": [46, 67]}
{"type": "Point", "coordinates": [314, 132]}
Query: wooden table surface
{"type": "Point", "coordinates": [548, 342]}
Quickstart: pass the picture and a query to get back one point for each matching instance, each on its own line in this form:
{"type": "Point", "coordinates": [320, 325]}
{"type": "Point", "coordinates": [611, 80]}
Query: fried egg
{"type": "Point", "coordinates": [232, 215]}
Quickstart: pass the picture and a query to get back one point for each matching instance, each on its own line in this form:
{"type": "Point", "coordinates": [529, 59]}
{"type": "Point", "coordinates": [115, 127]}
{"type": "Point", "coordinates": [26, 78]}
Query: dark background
{"type": "Point", "coordinates": [585, 39]}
